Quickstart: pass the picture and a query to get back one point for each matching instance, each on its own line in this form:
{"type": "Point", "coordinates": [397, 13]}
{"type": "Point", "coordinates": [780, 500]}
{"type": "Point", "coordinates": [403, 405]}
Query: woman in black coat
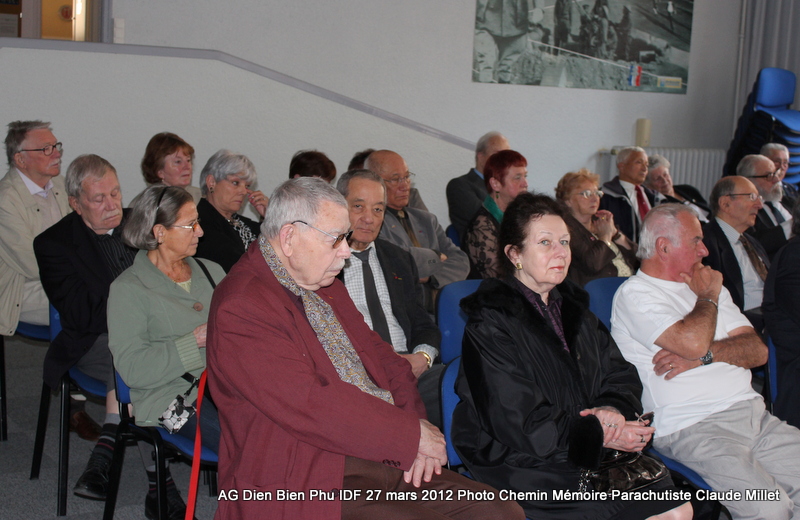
{"type": "Point", "coordinates": [226, 180]}
{"type": "Point", "coordinates": [544, 390]}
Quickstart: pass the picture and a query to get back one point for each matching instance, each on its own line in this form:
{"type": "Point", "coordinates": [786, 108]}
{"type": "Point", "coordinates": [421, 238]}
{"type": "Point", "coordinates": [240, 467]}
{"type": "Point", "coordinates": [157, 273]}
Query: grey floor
{"type": "Point", "coordinates": [22, 498]}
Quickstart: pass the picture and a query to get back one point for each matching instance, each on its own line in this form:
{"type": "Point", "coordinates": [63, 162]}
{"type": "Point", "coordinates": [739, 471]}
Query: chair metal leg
{"type": "Point", "coordinates": [3, 395]}
{"type": "Point", "coordinates": [115, 472]}
{"type": "Point", "coordinates": [161, 477]}
{"type": "Point", "coordinates": [63, 449]}
{"type": "Point", "coordinates": [41, 430]}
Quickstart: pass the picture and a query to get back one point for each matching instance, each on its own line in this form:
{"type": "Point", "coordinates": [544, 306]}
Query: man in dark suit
{"type": "Point", "coordinates": [773, 225]}
{"type": "Point", "coordinates": [739, 257]}
{"type": "Point", "coordinates": [465, 194]}
{"type": "Point", "coordinates": [659, 179]}
{"type": "Point", "coordinates": [625, 196]}
{"type": "Point", "coordinates": [389, 296]}
{"type": "Point", "coordinates": [78, 258]}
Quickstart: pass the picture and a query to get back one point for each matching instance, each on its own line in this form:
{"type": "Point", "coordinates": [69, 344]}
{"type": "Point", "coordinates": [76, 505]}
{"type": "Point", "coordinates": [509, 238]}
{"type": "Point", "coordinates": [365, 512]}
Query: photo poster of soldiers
{"type": "Point", "coordinates": [633, 45]}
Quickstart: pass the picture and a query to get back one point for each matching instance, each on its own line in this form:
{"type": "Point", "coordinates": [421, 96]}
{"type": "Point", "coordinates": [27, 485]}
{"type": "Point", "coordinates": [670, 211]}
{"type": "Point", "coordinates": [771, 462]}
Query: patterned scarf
{"type": "Point", "coordinates": [328, 329]}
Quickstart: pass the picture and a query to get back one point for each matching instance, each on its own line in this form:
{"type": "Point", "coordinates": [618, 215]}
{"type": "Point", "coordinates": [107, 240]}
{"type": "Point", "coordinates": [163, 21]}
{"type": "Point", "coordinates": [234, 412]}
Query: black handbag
{"type": "Point", "coordinates": [624, 471]}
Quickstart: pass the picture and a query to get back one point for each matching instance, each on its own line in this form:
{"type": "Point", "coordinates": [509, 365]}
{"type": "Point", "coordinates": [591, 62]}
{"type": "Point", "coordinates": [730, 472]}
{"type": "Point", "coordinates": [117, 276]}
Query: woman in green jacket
{"type": "Point", "coordinates": [157, 314]}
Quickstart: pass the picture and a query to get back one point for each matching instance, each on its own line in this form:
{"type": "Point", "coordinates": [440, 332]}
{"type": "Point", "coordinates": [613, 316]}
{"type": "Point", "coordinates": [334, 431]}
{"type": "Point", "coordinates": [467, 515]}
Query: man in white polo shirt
{"type": "Point", "coordinates": [693, 349]}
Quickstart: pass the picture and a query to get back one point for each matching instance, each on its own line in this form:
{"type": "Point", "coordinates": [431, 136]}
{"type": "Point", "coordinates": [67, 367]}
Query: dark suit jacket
{"type": "Point", "coordinates": [767, 233]}
{"type": "Point", "coordinates": [721, 257]}
{"type": "Point", "coordinates": [76, 281]}
{"type": "Point", "coordinates": [691, 194]}
{"type": "Point", "coordinates": [616, 201]}
{"type": "Point", "coordinates": [465, 195]}
{"type": "Point", "coordinates": [405, 293]}
{"type": "Point", "coordinates": [220, 243]}
{"type": "Point", "coordinates": [288, 420]}
{"type": "Point", "coordinates": [782, 316]}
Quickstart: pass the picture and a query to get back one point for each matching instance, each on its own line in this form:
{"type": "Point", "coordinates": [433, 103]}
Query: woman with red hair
{"type": "Point", "coordinates": [505, 175]}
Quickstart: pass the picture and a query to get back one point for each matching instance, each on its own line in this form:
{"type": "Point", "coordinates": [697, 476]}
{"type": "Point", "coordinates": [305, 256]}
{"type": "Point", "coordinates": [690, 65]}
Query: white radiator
{"type": "Point", "coordinates": [700, 167]}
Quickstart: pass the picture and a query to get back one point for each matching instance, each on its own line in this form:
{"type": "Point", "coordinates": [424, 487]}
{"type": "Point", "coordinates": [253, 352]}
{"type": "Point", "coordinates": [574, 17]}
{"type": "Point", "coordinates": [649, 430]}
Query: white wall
{"type": "Point", "coordinates": [414, 58]}
{"type": "Point", "coordinates": [111, 104]}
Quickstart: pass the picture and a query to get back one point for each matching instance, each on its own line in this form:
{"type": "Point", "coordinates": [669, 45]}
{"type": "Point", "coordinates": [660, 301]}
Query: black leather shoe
{"type": "Point", "coordinates": [93, 484]}
{"type": "Point", "coordinates": [176, 507]}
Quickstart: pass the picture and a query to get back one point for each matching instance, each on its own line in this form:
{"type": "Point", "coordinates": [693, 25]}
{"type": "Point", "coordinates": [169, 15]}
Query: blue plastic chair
{"type": "Point", "coordinates": [87, 385]}
{"type": "Point", "coordinates": [690, 476]}
{"type": "Point", "coordinates": [451, 319]}
{"type": "Point", "coordinates": [452, 234]}
{"type": "Point", "coordinates": [601, 296]}
{"type": "Point", "coordinates": [449, 401]}
{"type": "Point", "coordinates": [771, 371]}
{"type": "Point", "coordinates": [775, 95]}
{"type": "Point", "coordinates": [26, 330]}
{"type": "Point", "coordinates": [164, 445]}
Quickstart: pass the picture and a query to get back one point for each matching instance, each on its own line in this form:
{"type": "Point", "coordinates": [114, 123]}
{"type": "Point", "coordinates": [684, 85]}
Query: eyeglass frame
{"type": "Point", "coordinates": [58, 146]}
{"type": "Point", "coordinates": [766, 176]}
{"type": "Point", "coordinates": [336, 239]}
{"type": "Point", "coordinates": [753, 196]}
{"type": "Point", "coordinates": [597, 192]}
{"type": "Point", "coordinates": [408, 178]}
{"type": "Point", "coordinates": [193, 226]}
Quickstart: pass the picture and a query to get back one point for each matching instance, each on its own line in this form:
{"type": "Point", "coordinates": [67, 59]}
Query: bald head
{"type": "Point", "coordinates": [393, 170]}
{"type": "Point", "coordinates": [487, 145]}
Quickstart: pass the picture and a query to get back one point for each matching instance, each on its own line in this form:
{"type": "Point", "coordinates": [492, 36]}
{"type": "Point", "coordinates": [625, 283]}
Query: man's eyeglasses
{"type": "Point", "coordinates": [193, 226]}
{"type": "Point", "coordinates": [47, 150]}
{"type": "Point", "coordinates": [766, 175]}
{"type": "Point", "coordinates": [752, 196]}
{"type": "Point", "coordinates": [588, 193]}
{"type": "Point", "coordinates": [394, 181]}
{"type": "Point", "coordinates": [336, 239]}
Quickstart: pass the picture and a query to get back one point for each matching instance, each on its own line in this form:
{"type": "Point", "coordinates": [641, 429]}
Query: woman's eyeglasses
{"type": "Point", "coordinates": [589, 193]}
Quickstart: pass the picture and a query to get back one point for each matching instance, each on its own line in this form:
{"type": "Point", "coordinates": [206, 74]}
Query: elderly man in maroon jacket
{"type": "Point", "coordinates": [311, 401]}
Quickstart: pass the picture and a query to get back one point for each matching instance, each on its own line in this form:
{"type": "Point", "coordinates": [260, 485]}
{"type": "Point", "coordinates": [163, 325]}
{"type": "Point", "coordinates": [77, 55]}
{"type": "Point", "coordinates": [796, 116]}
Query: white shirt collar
{"type": "Point", "coordinates": [34, 188]}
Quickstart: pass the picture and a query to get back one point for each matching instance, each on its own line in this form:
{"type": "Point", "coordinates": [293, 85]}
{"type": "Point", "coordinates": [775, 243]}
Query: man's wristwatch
{"type": "Point", "coordinates": [708, 358]}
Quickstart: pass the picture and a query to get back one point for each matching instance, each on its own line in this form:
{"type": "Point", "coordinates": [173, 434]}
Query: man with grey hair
{"type": "Point", "coordinates": [693, 349]}
{"type": "Point", "coordinates": [439, 261]}
{"type": "Point", "coordinates": [659, 180]}
{"type": "Point", "coordinates": [465, 194]}
{"type": "Point", "coordinates": [779, 155]}
{"type": "Point", "coordinates": [78, 258]}
{"type": "Point", "coordinates": [32, 198]}
{"type": "Point", "coordinates": [310, 399]}
{"type": "Point", "coordinates": [738, 256]}
{"type": "Point", "coordinates": [773, 225]}
{"type": "Point", "coordinates": [625, 197]}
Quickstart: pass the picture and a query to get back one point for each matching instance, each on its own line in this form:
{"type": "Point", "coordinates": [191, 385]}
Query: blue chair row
{"type": "Point", "coordinates": [451, 318]}
{"type": "Point", "coordinates": [165, 446]}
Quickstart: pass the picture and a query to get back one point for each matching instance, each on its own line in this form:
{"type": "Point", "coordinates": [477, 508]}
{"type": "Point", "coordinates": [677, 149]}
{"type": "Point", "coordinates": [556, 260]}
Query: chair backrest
{"type": "Point", "coordinates": [772, 370]}
{"type": "Point", "coordinates": [775, 88]}
{"type": "Point", "coordinates": [451, 318]}
{"type": "Point", "coordinates": [123, 391]}
{"type": "Point", "coordinates": [449, 401]}
{"type": "Point", "coordinates": [601, 296]}
{"type": "Point", "coordinates": [452, 234]}
{"type": "Point", "coordinates": [55, 322]}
